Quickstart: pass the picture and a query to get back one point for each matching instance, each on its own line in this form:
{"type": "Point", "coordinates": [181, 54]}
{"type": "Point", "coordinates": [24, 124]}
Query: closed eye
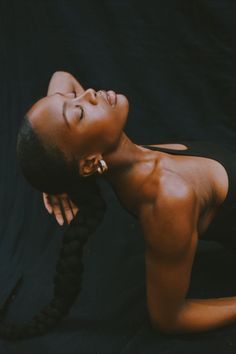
{"type": "Point", "coordinates": [81, 108]}
{"type": "Point", "coordinates": [82, 111]}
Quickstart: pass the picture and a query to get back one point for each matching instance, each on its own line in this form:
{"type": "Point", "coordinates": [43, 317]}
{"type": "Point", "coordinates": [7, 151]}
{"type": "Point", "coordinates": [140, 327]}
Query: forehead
{"type": "Point", "coordinates": [47, 119]}
{"type": "Point", "coordinates": [48, 107]}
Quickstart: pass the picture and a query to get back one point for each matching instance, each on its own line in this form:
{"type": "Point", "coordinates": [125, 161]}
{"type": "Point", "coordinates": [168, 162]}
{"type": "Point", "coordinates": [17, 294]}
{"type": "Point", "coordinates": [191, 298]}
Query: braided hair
{"type": "Point", "coordinates": [41, 165]}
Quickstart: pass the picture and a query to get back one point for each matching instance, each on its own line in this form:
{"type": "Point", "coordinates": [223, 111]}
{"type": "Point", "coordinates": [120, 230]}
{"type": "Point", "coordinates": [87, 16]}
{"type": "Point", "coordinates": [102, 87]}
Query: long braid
{"type": "Point", "coordinates": [47, 169]}
{"type": "Point", "coordinates": [67, 282]}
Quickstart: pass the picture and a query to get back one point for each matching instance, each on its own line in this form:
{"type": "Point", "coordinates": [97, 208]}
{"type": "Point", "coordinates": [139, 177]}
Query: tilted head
{"type": "Point", "coordinates": [63, 137]}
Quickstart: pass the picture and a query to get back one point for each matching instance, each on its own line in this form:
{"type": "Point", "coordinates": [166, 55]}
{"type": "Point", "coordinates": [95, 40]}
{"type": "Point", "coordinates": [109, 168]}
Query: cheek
{"type": "Point", "coordinates": [68, 143]}
{"type": "Point", "coordinates": [101, 126]}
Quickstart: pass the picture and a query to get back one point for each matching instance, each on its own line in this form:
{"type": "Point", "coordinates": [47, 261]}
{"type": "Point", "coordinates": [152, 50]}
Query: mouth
{"type": "Point", "coordinates": [111, 97]}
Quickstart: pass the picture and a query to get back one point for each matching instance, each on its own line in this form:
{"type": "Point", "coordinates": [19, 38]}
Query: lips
{"type": "Point", "coordinates": [111, 97]}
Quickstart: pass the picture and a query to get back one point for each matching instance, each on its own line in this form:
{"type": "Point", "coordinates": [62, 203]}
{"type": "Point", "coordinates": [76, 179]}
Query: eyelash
{"type": "Point", "coordinates": [82, 110]}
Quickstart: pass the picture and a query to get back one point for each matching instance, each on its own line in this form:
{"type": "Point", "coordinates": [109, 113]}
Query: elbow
{"type": "Point", "coordinates": [60, 73]}
{"type": "Point", "coordinates": [170, 322]}
{"type": "Point", "coordinates": [163, 329]}
{"type": "Point", "coordinates": [165, 326]}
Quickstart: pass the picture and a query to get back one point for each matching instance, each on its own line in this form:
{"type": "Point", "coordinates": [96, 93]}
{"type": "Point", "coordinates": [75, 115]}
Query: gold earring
{"type": "Point", "coordinates": [103, 166]}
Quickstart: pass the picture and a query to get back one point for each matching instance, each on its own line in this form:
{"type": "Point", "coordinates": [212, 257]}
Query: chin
{"type": "Point", "coordinates": [120, 96]}
{"type": "Point", "coordinates": [123, 101]}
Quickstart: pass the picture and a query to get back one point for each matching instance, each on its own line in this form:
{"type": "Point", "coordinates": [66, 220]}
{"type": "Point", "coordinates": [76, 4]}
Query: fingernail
{"type": "Point", "coordinates": [61, 221]}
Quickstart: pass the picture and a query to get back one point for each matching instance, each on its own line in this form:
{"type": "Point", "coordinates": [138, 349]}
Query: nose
{"type": "Point", "coordinates": [90, 95]}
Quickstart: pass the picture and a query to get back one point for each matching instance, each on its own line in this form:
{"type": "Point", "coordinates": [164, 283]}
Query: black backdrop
{"type": "Point", "coordinates": [175, 60]}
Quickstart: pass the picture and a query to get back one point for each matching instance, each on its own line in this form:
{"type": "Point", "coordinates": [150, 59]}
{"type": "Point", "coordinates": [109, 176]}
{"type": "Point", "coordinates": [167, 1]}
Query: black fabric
{"type": "Point", "coordinates": [175, 61]}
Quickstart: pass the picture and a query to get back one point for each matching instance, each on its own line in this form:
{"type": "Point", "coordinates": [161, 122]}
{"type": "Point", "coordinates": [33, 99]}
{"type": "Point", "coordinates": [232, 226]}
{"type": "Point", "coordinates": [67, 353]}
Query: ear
{"type": "Point", "coordinates": [89, 164]}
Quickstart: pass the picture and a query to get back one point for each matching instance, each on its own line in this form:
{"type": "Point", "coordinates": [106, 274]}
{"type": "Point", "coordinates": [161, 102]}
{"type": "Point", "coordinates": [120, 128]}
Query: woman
{"type": "Point", "coordinates": [70, 138]}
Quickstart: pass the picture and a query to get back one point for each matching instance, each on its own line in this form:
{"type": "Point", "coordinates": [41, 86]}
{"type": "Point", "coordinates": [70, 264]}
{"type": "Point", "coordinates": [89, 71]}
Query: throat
{"type": "Point", "coordinates": [128, 193]}
{"type": "Point", "coordinates": [131, 188]}
{"type": "Point", "coordinates": [130, 178]}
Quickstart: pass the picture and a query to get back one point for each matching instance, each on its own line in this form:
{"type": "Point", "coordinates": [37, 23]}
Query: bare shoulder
{"type": "Point", "coordinates": [172, 193]}
{"type": "Point", "coordinates": [170, 220]}
{"type": "Point", "coordinates": [174, 185]}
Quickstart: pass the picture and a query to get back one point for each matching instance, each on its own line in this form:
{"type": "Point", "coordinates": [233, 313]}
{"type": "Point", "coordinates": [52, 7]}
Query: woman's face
{"type": "Point", "coordinates": [90, 123]}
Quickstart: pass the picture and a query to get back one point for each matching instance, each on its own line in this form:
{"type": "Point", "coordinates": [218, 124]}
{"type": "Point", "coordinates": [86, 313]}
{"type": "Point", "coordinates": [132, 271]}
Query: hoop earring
{"type": "Point", "coordinates": [103, 166]}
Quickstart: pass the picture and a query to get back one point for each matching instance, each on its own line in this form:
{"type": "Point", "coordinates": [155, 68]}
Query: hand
{"type": "Point", "coordinates": [59, 204]}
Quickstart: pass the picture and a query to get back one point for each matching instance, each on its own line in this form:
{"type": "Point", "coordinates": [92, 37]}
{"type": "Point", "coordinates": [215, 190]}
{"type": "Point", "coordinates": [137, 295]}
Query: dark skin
{"type": "Point", "coordinates": [174, 197]}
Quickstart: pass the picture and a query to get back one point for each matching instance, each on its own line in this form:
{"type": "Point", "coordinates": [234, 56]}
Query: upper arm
{"type": "Point", "coordinates": [64, 82]}
{"type": "Point", "coordinates": [171, 239]}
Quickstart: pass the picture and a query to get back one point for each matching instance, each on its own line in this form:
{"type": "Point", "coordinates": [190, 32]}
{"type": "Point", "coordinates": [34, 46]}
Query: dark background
{"type": "Point", "coordinates": [175, 60]}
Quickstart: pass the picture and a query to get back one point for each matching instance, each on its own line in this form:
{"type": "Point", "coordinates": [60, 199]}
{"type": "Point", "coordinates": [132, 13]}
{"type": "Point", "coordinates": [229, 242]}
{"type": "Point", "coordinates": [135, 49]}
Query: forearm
{"type": "Point", "coordinates": [64, 82]}
{"type": "Point", "coordinates": [198, 315]}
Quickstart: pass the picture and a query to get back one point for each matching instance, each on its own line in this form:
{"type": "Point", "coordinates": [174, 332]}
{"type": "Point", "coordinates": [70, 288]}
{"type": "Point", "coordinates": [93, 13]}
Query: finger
{"type": "Point", "coordinates": [57, 209]}
{"type": "Point", "coordinates": [67, 209]}
{"type": "Point", "coordinates": [73, 207]}
{"type": "Point", "coordinates": [67, 202]}
{"type": "Point", "coordinates": [47, 203]}
{"type": "Point", "coordinates": [59, 218]}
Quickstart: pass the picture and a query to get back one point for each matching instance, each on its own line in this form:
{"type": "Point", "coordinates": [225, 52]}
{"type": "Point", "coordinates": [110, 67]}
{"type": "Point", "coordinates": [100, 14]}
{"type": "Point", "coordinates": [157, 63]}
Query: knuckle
{"type": "Point", "coordinates": [57, 213]}
{"type": "Point", "coordinates": [56, 203]}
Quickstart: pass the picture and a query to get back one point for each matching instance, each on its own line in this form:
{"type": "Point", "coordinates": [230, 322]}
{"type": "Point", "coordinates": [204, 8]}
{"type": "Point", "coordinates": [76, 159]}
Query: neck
{"type": "Point", "coordinates": [129, 166]}
{"type": "Point", "coordinates": [122, 157]}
